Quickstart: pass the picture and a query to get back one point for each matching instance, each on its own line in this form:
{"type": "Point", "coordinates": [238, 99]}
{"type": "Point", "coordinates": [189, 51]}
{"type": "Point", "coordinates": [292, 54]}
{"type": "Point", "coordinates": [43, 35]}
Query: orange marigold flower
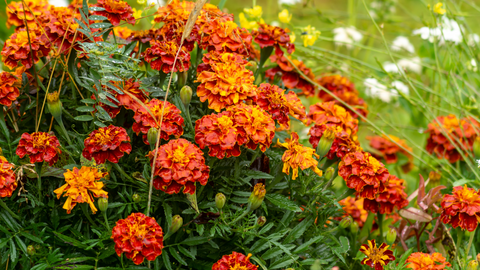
{"type": "Point", "coordinates": [389, 150]}
{"type": "Point", "coordinates": [80, 186]}
{"type": "Point", "coordinates": [123, 32]}
{"type": "Point", "coordinates": [224, 80]}
{"type": "Point", "coordinates": [8, 90]}
{"type": "Point", "coordinates": [257, 125]}
{"type": "Point", "coordinates": [425, 261]}
{"type": "Point", "coordinates": [290, 77]}
{"type": "Point", "coordinates": [461, 132]}
{"type": "Point", "coordinates": [234, 261]}
{"type": "Point", "coordinates": [393, 195]}
{"type": "Point", "coordinates": [179, 164]}
{"type": "Point", "coordinates": [107, 143]}
{"type": "Point", "coordinates": [376, 257]}
{"type": "Point", "coordinates": [343, 89]}
{"type": "Point", "coordinates": [298, 156]}
{"type": "Point", "coordinates": [175, 11]}
{"type": "Point", "coordinates": [139, 237]}
{"type": "Point", "coordinates": [273, 36]}
{"type": "Point", "coordinates": [171, 124]}
{"type": "Point", "coordinates": [161, 56]}
{"type": "Point", "coordinates": [225, 36]}
{"type": "Point", "coordinates": [17, 48]}
{"type": "Point", "coordinates": [35, 9]}
{"type": "Point", "coordinates": [39, 146]}
{"type": "Point", "coordinates": [144, 36]}
{"type": "Point", "coordinates": [297, 109]}
{"type": "Point", "coordinates": [354, 208]}
{"type": "Point", "coordinates": [218, 132]}
{"type": "Point", "coordinates": [8, 182]}
{"type": "Point", "coordinates": [115, 11]}
{"type": "Point", "coordinates": [364, 173]}
{"type": "Point", "coordinates": [462, 208]}
{"type": "Point", "coordinates": [343, 143]}
{"type": "Point", "coordinates": [327, 113]}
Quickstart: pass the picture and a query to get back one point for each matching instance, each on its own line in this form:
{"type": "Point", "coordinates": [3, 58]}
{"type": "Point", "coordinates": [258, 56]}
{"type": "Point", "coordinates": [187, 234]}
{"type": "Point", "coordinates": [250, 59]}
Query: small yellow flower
{"type": "Point", "coordinates": [309, 35]}
{"type": "Point", "coordinates": [254, 13]}
{"type": "Point", "coordinates": [438, 8]}
{"type": "Point", "coordinates": [141, 2]}
{"type": "Point", "coordinates": [137, 14]}
{"type": "Point", "coordinates": [284, 16]}
{"type": "Point", "coordinates": [292, 37]}
{"type": "Point", "coordinates": [245, 23]}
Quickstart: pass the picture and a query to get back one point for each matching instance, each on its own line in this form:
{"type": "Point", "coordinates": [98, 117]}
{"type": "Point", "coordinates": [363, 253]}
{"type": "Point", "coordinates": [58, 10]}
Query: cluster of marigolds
{"type": "Point", "coordinates": [246, 115]}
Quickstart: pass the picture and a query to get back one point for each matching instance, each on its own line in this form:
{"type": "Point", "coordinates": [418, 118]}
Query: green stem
{"type": "Point", "coordinates": [351, 12]}
{"type": "Point", "coordinates": [470, 240]}
{"type": "Point", "coordinates": [240, 217]}
{"type": "Point", "coordinates": [106, 220]}
{"type": "Point", "coordinates": [4, 125]}
{"type": "Point", "coordinates": [459, 238]}
{"type": "Point", "coordinates": [38, 169]}
{"type": "Point", "coordinates": [346, 194]}
{"type": "Point", "coordinates": [60, 122]}
{"type": "Point", "coordinates": [329, 183]}
{"type": "Point", "coordinates": [87, 214]}
{"type": "Point", "coordinates": [4, 206]}
{"type": "Point", "coordinates": [189, 120]}
{"type": "Point", "coordinates": [278, 177]}
{"type": "Point", "coordinates": [380, 226]}
{"type": "Point", "coordinates": [122, 172]}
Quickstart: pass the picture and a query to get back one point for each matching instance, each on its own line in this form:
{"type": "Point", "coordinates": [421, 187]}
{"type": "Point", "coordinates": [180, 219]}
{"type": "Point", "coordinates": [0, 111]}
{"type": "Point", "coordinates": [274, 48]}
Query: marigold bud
{"type": "Point", "coordinates": [329, 173]}
{"type": "Point", "coordinates": [346, 222]}
{"type": "Point", "coordinates": [391, 236]}
{"type": "Point", "coordinates": [256, 198]}
{"type": "Point", "coordinates": [136, 198]}
{"type": "Point", "coordinates": [325, 142]}
{"type": "Point", "coordinates": [472, 265]}
{"type": "Point", "coordinates": [182, 78]}
{"type": "Point", "coordinates": [252, 66]}
{"type": "Point", "coordinates": [261, 221]}
{"type": "Point", "coordinates": [186, 95]}
{"type": "Point", "coordinates": [103, 204]}
{"type": "Point", "coordinates": [476, 147]}
{"type": "Point", "coordinates": [152, 136]}
{"type": "Point", "coordinates": [177, 223]}
{"type": "Point", "coordinates": [354, 227]}
{"type": "Point", "coordinates": [54, 105]}
{"type": "Point", "coordinates": [220, 200]}
{"type": "Point", "coordinates": [30, 250]}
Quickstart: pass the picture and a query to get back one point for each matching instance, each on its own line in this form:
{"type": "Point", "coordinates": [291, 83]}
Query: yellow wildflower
{"type": "Point", "coordinates": [284, 16]}
{"type": "Point", "coordinates": [254, 13]}
{"type": "Point", "coordinates": [137, 14]}
{"type": "Point", "coordinates": [309, 36]}
{"type": "Point", "coordinates": [245, 23]}
{"type": "Point", "coordinates": [438, 8]}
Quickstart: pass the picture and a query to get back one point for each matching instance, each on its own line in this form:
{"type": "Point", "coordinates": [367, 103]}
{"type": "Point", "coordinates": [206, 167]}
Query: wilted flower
{"type": "Point", "coordinates": [17, 48]}
{"type": "Point", "coordinates": [17, 14]}
{"type": "Point", "coordinates": [171, 124]}
{"type": "Point", "coordinates": [354, 208]}
{"type": "Point", "coordinates": [81, 184]}
{"type": "Point", "coordinates": [402, 43]}
{"type": "Point", "coordinates": [309, 35]}
{"type": "Point", "coordinates": [256, 197]}
{"type": "Point", "coordinates": [421, 261]}
{"type": "Point", "coordinates": [161, 56]}
{"type": "Point", "coordinates": [290, 77]}
{"type": "Point", "coordinates": [8, 183]}
{"type": "Point", "coordinates": [298, 156]}
{"type": "Point", "coordinates": [234, 261]}
{"type": "Point", "coordinates": [179, 164]}
{"type": "Point", "coordinates": [8, 88]}
{"type": "Point", "coordinates": [393, 196]}
{"type": "Point", "coordinates": [462, 208]}
{"type": "Point", "coordinates": [39, 146]}
{"type": "Point", "coordinates": [139, 236]}
{"type": "Point", "coordinates": [273, 36]}
{"type": "Point", "coordinates": [376, 257]}
{"type": "Point", "coordinates": [284, 16]}
{"type": "Point", "coordinates": [346, 36]}
{"type": "Point", "coordinates": [389, 147]}
{"type": "Point", "coordinates": [115, 11]}
{"type": "Point", "coordinates": [107, 143]}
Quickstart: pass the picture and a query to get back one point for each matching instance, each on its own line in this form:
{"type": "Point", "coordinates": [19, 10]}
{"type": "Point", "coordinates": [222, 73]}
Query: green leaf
{"type": "Point", "coordinates": [186, 252]}
{"type": "Point", "coordinates": [88, 101]}
{"type": "Point", "coordinates": [13, 251]}
{"type": "Point", "coordinates": [282, 202]}
{"type": "Point", "coordinates": [266, 228]}
{"type": "Point", "coordinates": [272, 253]}
{"type": "Point", "coordinates": [285, 261]}
{"type": "Point", "coordinates": [100, 25]}
{"type": "Point", "coordinates": [296, 232]}
{"type": "Point", "coordinates": [168, 213]}
{"type": "Point", "coordinates": [21, 244]}
{"type": "Point", "coordinates": [166, 260]}
{"type": "Point", "coordinates": [196, 240]}
{"type": "Point", "coordinates": [345, 244]}
{"type": "Point", "coordinates": [85, 109]}
{"type": "Point", "coordinates": [252, 174]}
{"type": "Point", "coordinates": [305, 245]}
{"type": "Point", "coordinates": [70, 240]}
{"type": "Point", "coordinates": [84, 118]}
{"type": "Point", "coordinates": [177, 256]}
{"type": "Point", "coordinates": [461, 182]}
{"type": "Point", "coordinates": [97, 18]}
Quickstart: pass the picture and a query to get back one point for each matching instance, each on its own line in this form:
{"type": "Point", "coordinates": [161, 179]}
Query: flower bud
{"type": "Point", "coordinates": [329, 173]}
{"type": "Point", "coordinates": [136, 198]}
{"type": "Point", "coordinates": [182, 78]}
{"type": "Point", "coordinates": [261, 221]}
{"type": "Point", "coordinates": [354, 227]}
{"type": "Point", "coordinates": [472, 265]}
{"type": "Point", "coordinates": [152, 136]}
{"type": "Point", "coordinates": [54, 105]}
{"type": "Point", "coordinates": [326, 142]}
{"type": "Point", "coordinates": [391, 236]}
{"type": "Point", "coordinates": [30, 250]}
{"type": "Point", "coordinates": [256, 198]}
{"type": "Point", "coordinates": [252, 66]}
{"type": "Point", "coordinates": [346, 222]}
{"type": "Point", "coordinates": [177, 223]}
{"type": "Point", "coordinates": [103, 204]}
{"type": "Point", "coordinates": [220, 200]}
{"type": "Point", "coordinates": [476, 147]}
{"type": "Point", "coordinates": [186, 95]}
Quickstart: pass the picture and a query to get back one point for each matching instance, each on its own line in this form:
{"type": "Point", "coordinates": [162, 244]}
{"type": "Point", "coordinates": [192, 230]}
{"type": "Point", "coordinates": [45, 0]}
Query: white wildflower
{"type": "Point", "coordinates": [374, 88]}
{"type": "Point", "coordinates": [346, 36]}
{"type": "Point", "coordinates": [399, 86]}
{"type": "Point", "coordinates": [390, 67]}
{"type": "Point", "coordinates": [402, 43]}
{"type": "Point", "coordinates": [472, 65]}
{"type": "Point", "coordinates": [159, 3]}
{"type": "Point", "coordinates": [413, 64]}
{"type": "Point", "coordinates": [447, 30]}
{"type": "Point", "coordinates": [58, 3]}
{"type": "Point", "coordinates": [473, 40]}
{"type": "Point", "coordinates": [289, 2]}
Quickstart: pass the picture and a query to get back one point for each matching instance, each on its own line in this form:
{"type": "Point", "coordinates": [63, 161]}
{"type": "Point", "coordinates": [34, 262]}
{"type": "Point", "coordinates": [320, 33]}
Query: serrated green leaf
{"type": "Point", "coordinates": [88, 101]}
{"type": "Point", "coordinates": [305, 245]}
{"type": "Point", "coordinates": [13, 251]}
{"type": "Point", "coordinates": [272, 253]}
{"type": "Point", "coordinates": [70, 240]}
{"type": "Point", "coordinates": [345, 244]}
{"type": "Point", "coordinates": [21, 244]}
{"type": "Point", "coordinates": [266, 228]}
{"type": "Point", "coordinates": [196, 240]}
{"type": "Point", "coordinates": [166, 260]}
{"type": "Point", "coordinates": [298, 230]}
{"type": "Point", "coordinates": [282, 263]}
{"type": "Point", "coordinates": [186, 252]}
{"type": "Point", "coordinates": [177, 256]}
{"type": "Point", "coordinates": [84, 118]}
{"type": "Point", "coordinates": [253, 174]}
{"type": "Point", "coordinates": [282, 202]}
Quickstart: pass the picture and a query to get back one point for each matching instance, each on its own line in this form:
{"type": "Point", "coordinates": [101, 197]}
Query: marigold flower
{"type": "Point", "coordinates": [393, 195]}
{"type": "Point", "coordinates": [107, 143]}
{"type": "Point", "coordinates": [354, 208]}
{"type": "Point", "coordinates": [297, 109]}
{"type": "Point", "coordinates": [273, 36]}
{"type": "Point", "coordinates": [376, 257]}
{"type": "Point", "coordinates": [234, 261]}
{"type": "Point", "coordinates": [39, 146]}
{"type": "Point", "coordinates": [179, 164]}
{"type": "Point", "coordinates": [462, 208]}
{"type": "Point", "coordinates": [343, 143]}
{"type": "Point", "coordinates": [123, 32]}
{"type": "Point", "coordinates": [364, 173]}
{"type": "Point", "coordinates": [290, 77]}
{"type": "Point", "coordinates": [8, 182]}
{"type": "Point", "coordinates": [161, 56]}
{"type": "Point", "coordinates": [17, 48]}
{"type": "Point", "coordinates": [115, 11]}
{"type": "Point", "coordinates": [298, 156]}
{"type": "Point", "coordinates": [329, 114]}
{"type": "Point", "coordinates": [171, 124]}
{"type": "Point", "coordinates": [81, 184]}
{"type": "Point", "coordinates": [218, 132]}
{"type": "Point", "coordinates": [17, 14]}
{"type": "Point", "coordinates": [257, 125]}
{"type": "Point", "coordinates": [389, 150]}
{"type": "Point", "coordinates": [144, 36]}
{"type": "Point", "coordinates": [345, 90]}
{"type": "Point", "coordinates": [224, 80]}
{"type": "Point", "coordinates": [425, 261]}
{"type": "Point", "coordinates": [8, 90]}
{"type": "Point", "coordinates": [139, 236]}
{"type": "Point", "coordinates": [461, 132]}
{"type": "Point", "coordinates": [222, 35]}
{"type": "Point", "coordinates": [176, 10]}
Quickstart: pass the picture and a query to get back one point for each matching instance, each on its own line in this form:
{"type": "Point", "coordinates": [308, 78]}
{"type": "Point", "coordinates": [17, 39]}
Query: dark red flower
{"type": "Point", "coordinates": [107, 143]}
{"type": "Point", "coordinates": [17, 48]}
{"type": "Point", "coordinates": [461, 208]}
{"type": "Point", "coordinates": [115, 11]}
{"type": "Point", "coordinates": [8, 88]}
{"type": "Point", "coordinates": [393, 195]}
{"type": "Point", "coordinates": [161, 56]}
{"type": "Point", "coordinates": [234, 261]}
{"type": "Point", "coordinates": [39, 146]}
{"type": "Point", "coordinates": [376, 257]}
{"type": "Point", "coordinates": [8, 182]}
{"type": "Point", "coordinates": [273, 36]}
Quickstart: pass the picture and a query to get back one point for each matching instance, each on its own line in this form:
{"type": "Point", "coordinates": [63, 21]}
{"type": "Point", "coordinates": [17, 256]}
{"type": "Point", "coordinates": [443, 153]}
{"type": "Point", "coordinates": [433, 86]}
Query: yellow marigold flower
{"type": "Point", "coordinates": [309, 35]}
{"type": "Point", "coordinates": [284, 16]}
{"type": "Point", "coordinates": [254, 13]}
{"type": "Point", "coordinates": [438, 8]}
{"type": "Point", "coordinates": [298, 156]}
{"type": "Point", "coordinates": [81, 184]}
{"type": "Point", "coordinates": [376, 257]}
{"type": "Point", "coordinates": [245, 23]}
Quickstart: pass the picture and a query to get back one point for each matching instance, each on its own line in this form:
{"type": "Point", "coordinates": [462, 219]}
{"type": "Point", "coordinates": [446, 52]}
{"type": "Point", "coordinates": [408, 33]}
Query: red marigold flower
{"type": "Point", "coordinates": [354, 208]}
{"type": "Point", "coordinates": [327, 113]}
{"type": "Point", "coordinates": [388, 147]}
{"type": "Point", "coordinates": [393, 195]}
{"type": "Point", "coordinates": [115, 11]}
{"type": "Point", "coordinates": [364, 173]}
{"type": "Point", "coordinates": [297, 109]}
{"type": "Point", "coordinates": [461, 132]}
{"type": "Point", "coordinates": [35, 9]}
{"type": "Point", "coordinates": [224, 80]}
{"type": "Point", "coordinates": [161, 56]}
{"type": "Point", "coordinates": [218, 132]}
{"type": "Point", "coordinates": [8, 89]}
{"type": "Point", "coordinates": [343, 143]}
{"type": "Point", "coordinates": [39, 146]}
{"type": "Point", "coordinates": [425, 261]}
{"type": "Point", "coordinates": [222, 35]}
{"type": "Point", "coordinates": [298, 156]}
{"type": "Point", "coordinates": [8, 183]}
{"type": "Point", "coordinates": [80, 186]}
{"type": "Point", "coordinates": [17, 48]}
{"type": "Point", "coordinates": [171, 124]}
{"type": "Point", "coordinates": [144, 36]}
{"type": "Point", "coordinates": [257, 125]}
{"type": "Point", "coordinates": [273, 36]}
{"type": "Point", "coordinates": [234, 261]}
{"type": "Point", "coordinates": [139, 237]}
{"type": "Point", "coordinates": [290, 77]}
{"type": "Point", "coordinates": [107, 143]}
{"type": "Point", "coordinates": [343, 89]}
{"type": "Point", "coordinates": [462, 208]}
{"type": "Point", "coordinates": [179, 164]}
{"type": "Point", "coordinates": [376, 257]}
